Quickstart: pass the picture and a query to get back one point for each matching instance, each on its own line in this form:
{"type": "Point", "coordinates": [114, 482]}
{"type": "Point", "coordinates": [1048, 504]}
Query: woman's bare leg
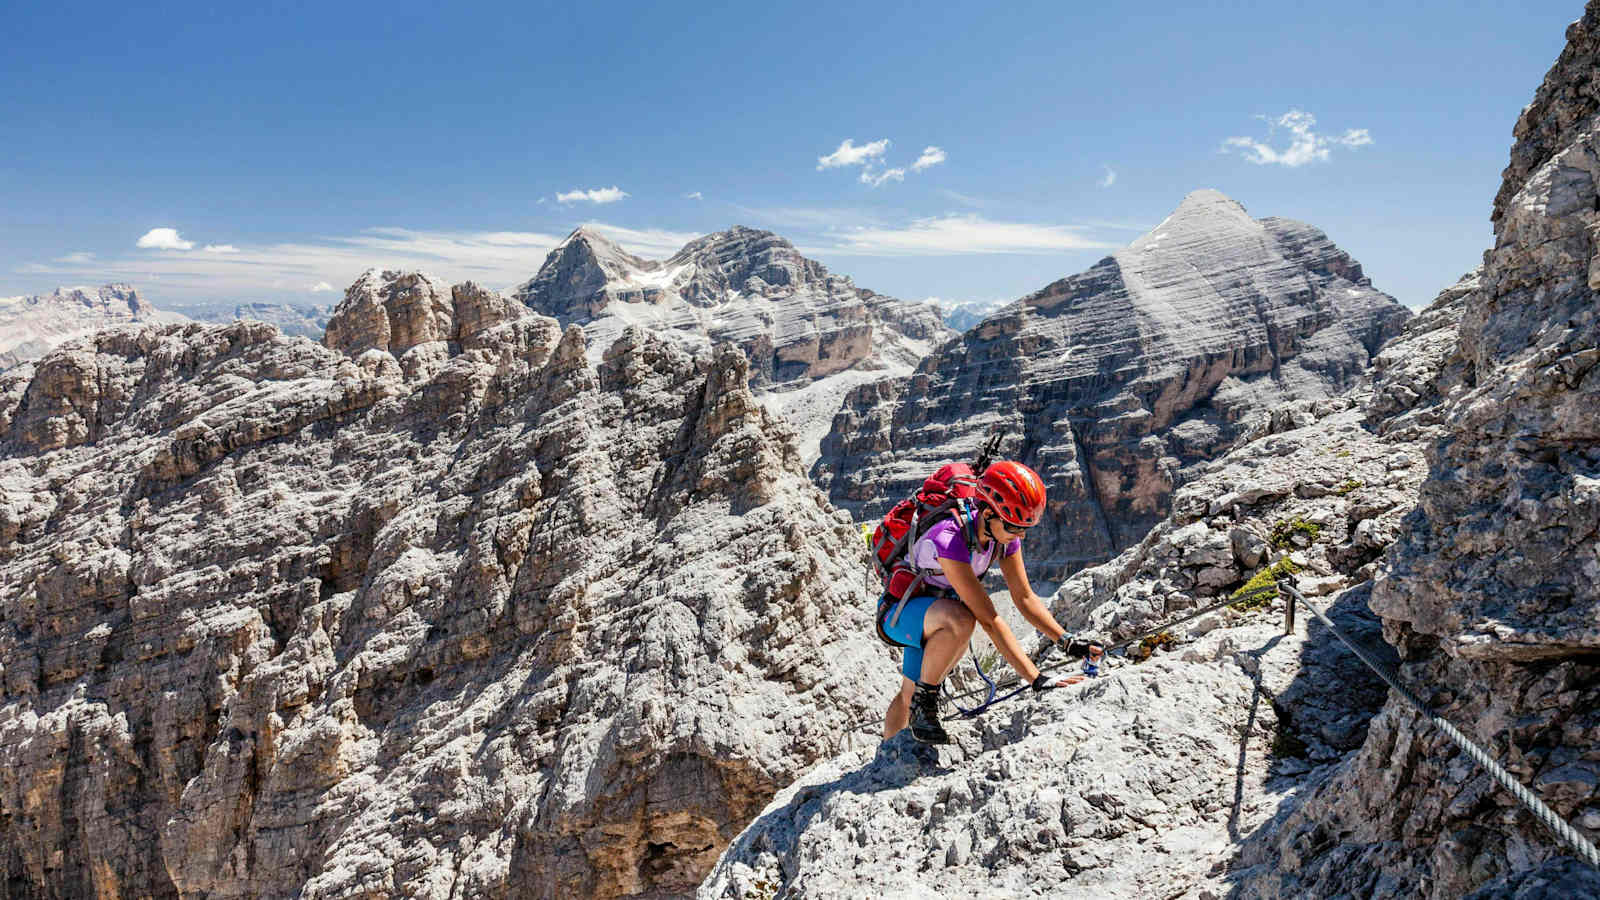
{"type": "Point", "coordinates": [946, 627]}
{"type": "Point", "coordinates": [899, 709]}
{"type": "Point", "coordinates": [945, 630]}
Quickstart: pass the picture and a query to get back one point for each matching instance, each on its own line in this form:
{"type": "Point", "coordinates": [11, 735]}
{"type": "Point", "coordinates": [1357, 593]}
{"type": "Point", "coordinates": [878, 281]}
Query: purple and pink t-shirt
{"type": "Point", "coordinates": [945, 541]}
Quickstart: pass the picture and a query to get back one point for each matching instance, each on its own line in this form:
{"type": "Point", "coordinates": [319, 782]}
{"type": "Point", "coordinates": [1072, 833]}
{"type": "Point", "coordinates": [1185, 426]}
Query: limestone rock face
{"type": "Point", "coordinates": [485, 619]}
{"type": "Point", "coordinates": [1114, 382]}
{"type": "Point", "coordinates": [809, 335]}
{"type": "Point", "coordinates": [31, 326]}
{"type": "Point", "coordinates": [391, 311]}
{"type": "Point", "coordinates": [1413, 374]}
{"type": "Point", "coordinates": [1493, 593]}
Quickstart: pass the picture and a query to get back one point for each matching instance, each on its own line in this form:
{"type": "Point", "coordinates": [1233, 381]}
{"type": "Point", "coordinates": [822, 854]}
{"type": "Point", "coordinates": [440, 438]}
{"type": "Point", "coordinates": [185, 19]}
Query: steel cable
{"type": "Point", "coordinates": [1585, 850]}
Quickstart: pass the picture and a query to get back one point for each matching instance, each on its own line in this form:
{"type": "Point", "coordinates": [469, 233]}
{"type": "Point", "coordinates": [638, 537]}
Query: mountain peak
{"type": "Point", "coordinates": [1211, 206]}
{"type": "Point", "coordinates": [1205, 210]}
{"type": "Point", "coordinates": [589, 246]}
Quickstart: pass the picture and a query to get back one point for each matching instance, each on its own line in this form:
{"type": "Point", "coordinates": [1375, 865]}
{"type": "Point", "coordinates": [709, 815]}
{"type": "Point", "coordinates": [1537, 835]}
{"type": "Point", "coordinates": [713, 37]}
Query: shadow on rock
{"type": "Point", "coordinates": [1322, 718]}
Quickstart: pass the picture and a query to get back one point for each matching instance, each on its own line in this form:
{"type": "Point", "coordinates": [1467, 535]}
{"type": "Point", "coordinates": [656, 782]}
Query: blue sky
{"type": "Point", "coordinates": [275, 154]}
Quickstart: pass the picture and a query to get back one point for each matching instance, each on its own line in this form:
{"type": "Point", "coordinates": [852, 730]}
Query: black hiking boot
{"type": "Point", "coordinates": [925, 726]}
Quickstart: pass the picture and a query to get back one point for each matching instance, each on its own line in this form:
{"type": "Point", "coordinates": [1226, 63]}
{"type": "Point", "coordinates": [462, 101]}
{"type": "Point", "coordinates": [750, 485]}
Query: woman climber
{"type": "Point", "coordinates": [936, 623]}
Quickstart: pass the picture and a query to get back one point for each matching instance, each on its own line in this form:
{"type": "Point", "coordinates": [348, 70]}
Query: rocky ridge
{"type": "Point", "coordinates": [31, 326]}
{"type": "Point", "coordinates": [1115, 382]}
{"type": "Point", "coordinates": [1150, 780]}
{"type": "Point", "coordinates": [449, 609]}
{"type": "Point", "coordinates": [809, 335]}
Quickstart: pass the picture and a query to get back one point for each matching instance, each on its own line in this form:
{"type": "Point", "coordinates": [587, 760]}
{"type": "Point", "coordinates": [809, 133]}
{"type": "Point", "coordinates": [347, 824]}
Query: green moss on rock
{"type": "Point", "coordinates": [1284, 532]}
{"type": "Point", "coordinates": [1262, 588]}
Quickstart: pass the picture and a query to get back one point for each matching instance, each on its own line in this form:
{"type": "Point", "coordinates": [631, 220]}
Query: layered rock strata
{"type": "Point", "coordinates": [31, 326]}
{"type": "Point", "coordinates": [1114, 382]}
{"type": "Point", "coordinates": [1329, 482]}
{"type": "Point", "coordinates": [451, 612]}
{"type": "Point", "coordinates": [1493, 597]}
{"type": "Point", "coordinates": [809, 335]}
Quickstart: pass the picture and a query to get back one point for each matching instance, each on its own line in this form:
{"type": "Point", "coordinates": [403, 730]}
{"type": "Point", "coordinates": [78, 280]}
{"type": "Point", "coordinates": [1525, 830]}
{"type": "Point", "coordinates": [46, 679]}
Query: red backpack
{"type": "Point", "coordinates": [946, 492]}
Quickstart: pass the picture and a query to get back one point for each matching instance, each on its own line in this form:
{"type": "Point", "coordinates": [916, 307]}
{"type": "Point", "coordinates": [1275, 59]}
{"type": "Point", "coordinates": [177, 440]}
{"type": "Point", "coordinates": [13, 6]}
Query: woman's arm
{"type": "Point", "coordinates": [1028, 603]}
{"type": "Point", "coordinates": [965, 581]}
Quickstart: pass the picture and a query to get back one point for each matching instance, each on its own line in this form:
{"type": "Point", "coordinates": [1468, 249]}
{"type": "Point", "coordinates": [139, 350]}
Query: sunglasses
{"type": "Point", "coordinates": [1018, 530]}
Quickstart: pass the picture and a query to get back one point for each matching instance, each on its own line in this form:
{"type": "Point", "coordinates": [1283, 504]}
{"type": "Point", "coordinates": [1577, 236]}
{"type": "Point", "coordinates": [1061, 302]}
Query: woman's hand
{"type": "Point", "coordinates": [1047, 683]}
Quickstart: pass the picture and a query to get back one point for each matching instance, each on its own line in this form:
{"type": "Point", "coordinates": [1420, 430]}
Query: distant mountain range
{"type": "Point", "coordinates": [962, 316]}
{"type": "Point", "coordinates": [292, 319]}
{"type": "Point", "coordinates": [30, 326]}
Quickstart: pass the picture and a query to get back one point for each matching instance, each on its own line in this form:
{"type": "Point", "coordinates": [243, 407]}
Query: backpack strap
{"type": "Point", "coordinates": [967, 519]}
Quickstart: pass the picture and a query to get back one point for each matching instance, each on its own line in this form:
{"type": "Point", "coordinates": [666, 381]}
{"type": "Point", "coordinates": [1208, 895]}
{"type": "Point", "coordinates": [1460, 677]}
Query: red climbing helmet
{"type": "Point", "coordinates": [1014, 492]}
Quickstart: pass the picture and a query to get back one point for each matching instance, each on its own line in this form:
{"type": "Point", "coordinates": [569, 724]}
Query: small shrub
{"type": "Point", "coordinates": [764, 890]}
{"type": "Point", "coordinates": [988, 659]}
{"type": "Point", "coordinates": [1262, 588]}
{"type": "Point", "coordinates": [1342, 454]}
{"type": "Point", "coordinates": [1284, 531]}
{"type": "Point", "coordinates": [1350, 484]}
{"type": "Point", "coordinates": [1147, 647]}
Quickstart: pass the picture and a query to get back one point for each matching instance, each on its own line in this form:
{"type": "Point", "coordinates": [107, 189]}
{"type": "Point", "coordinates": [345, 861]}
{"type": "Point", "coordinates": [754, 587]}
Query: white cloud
{"type": "Point", "coordinates": [1109, 178]}
{"type": "Point", "coordinates": [952, 235]}
{"type": "Point", "coordinates": [320, 287]}
{"type": "Point", "coordinates": [164, 239]}
{"type": "Point", "coordinates": [931, 156]}
{"type": "Point", "coordinates": [693, 195]}
{"type": "Point", "coordinates": [598, 195]}
{"type": "Point", "coordinates": [876, 179]}
{"type": "Point", "coordinates": [849, 154]}
{"type": "Point", "coordinates": [81, 258]}
{"type": "Point", "coordinates": [1305, 145]}
{"type": "Point", "coordinates": [1356, 137]}
{"type": "Point", "coordinates": [220, 248]}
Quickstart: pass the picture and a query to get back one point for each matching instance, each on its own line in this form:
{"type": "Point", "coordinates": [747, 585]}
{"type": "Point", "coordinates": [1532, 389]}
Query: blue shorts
{"type": "Point", "coordinates": [909, 631]}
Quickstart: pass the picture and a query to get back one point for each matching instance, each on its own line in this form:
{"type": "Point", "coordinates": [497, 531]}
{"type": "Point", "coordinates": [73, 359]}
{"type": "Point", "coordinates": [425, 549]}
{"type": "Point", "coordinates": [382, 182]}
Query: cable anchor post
{"type": "Point", "coordinates": [1284, 579]}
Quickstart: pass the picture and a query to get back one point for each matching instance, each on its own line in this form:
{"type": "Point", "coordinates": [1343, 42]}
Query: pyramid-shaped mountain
{"type": "Point", "coordinates": [1115, 381]}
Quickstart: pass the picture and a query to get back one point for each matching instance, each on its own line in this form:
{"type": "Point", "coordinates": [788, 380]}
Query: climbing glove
{"type": "Point", "coordinates": [1089, 650]}
{"type": "Point", "coordinates": [1076, 646]}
